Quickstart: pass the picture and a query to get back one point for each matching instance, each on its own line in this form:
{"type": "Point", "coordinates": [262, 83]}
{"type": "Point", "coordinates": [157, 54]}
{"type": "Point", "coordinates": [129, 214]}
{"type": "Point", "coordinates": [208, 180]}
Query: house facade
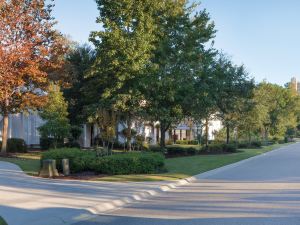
{"type": "Point", "coordinates": [25, 126]}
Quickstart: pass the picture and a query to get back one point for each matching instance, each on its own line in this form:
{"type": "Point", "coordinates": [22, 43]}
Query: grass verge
{"type": "Point", "coordinates": [28, 165]}
{"type": "Point", "coordinates": [178, 168]}
{"type": "Point", "coordinates": [183, 167]}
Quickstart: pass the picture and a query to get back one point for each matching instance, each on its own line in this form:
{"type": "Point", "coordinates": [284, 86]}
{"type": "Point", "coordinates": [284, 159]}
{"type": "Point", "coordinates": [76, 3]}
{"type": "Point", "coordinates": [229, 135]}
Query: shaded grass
{"type": "Point", "coordinates": [2, 221]}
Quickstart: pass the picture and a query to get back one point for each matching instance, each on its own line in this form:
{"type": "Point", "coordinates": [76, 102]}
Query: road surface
{"type": "Point", "coordinates": [264, 190]}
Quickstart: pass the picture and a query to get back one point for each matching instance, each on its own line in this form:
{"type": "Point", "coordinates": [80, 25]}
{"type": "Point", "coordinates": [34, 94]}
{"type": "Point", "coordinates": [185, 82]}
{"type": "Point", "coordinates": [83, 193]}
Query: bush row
{"type": "Point", "coordinates": [129, 163]}
{"type": "Point", "coordinates": [187, 142]}
{"type": "Point", "coordinates": [174, 150]}
{"type": "Point", "coordinates": [253, 144]}
{"type": "Point", "coordinates": [48, 143]}
{"type": "Point", "coordinates": [15, 145]}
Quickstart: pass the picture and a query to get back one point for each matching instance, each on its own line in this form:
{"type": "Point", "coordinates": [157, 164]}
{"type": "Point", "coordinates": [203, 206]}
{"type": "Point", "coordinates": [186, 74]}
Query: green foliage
{"type": "Point", "coordinates": [181, 151]}
{"type": "Point", "coordinates": [129, 163]}
{"type": "Point", "coordinates": [220, 148]}
{"type": "Point", "coordinates": [187, 142]}
{"type": "Point", "coordinates": [78, 64]}
{"type": "Point", "coordinates": [80, 160]}
{"type": "Point", "coordinates": [47, 142]}
{"type": "Point", "coordinates": [15, 145]}
{"type": "Point", "coordinates": [55, 114]}
{"type": "Point", "coordinates": [178, 61]}
{"type": "Point", "coordinates": [2, 221]}
{"type": "Point", "coordinates": [156, 148]}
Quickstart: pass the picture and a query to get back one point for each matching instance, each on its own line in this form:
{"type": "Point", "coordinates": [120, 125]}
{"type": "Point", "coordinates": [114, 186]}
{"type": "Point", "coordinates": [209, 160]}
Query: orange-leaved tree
{"type": "Point", "coordinates": [30, 48]}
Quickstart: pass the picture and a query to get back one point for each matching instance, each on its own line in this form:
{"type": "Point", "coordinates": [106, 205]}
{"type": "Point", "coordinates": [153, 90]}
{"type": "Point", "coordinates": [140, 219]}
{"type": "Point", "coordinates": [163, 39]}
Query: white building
{"type": "Point", "coordinates": [25, 126]}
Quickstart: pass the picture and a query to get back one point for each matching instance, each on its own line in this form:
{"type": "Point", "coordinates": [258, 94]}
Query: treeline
{"type": "Point", "coordinates": [155, 61]}
{"type": "Point", "coordinates": [151, 60]}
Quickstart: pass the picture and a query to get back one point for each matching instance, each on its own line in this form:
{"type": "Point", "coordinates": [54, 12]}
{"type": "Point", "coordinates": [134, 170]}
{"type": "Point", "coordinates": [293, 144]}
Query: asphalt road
{"type": "Point", "coordinates": [26, 200]}
{"type": "Point", "coordinates": [264, 190]}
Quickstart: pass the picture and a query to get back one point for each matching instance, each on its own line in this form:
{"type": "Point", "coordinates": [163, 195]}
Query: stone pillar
{"type": "Point", "coordinates": [49, 169]}
{"type": "Point", "coordinates": [66, 167]}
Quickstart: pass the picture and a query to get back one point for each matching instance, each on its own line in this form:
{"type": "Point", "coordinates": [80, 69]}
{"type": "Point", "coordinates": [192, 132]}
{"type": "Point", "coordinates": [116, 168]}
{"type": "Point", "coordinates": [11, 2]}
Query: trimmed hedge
{"type": "Point", "coordinates": [220, 148]}
{"type": "Point", "coordinates": [80, 160]}
{"type": "Point", "coordinates": [187, 142]}
{"type": "Point", "coordinates": [181, 151]}
{"type": "Point", "coordinates": [253, 144]}
{"type": "Point", "coordinates": [15, 145]}
{"type": "Point", "coordinates": [129, 163]}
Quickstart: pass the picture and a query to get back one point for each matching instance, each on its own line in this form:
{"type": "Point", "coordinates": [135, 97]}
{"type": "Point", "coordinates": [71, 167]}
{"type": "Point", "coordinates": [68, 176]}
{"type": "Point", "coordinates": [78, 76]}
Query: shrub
{"type": "Point", "coordinates": [256, 144]}
{"type": "Point", "coordinates": [80, 160]}
{"type": "Point", "coordinates": [46, 143]}
{"type": "Point", "coordinates": [130, 163]}
{"type": "Point", "coordinates": [243, 145]}
{"type": "Point", "coordinates": [15, 145]}
{"type": "Point", "coordinates": [181, 151]}
{"type": "Point", "coordinates": [176, 151]}
{"type": "Point", "coordinates": [186, 142]}
{"type": "Point", "coordinates": [156, 148]}
{"type": "Point", "coordinates": [182, 142]}
{"type": "Point", "coordinates": [214, 148]}
{"type": "Point", "coordinates": [72, 144]}
{"type": "Point", "coordinates": [230, 148]}
{"type": "Point", "coordinates": [219, 148]}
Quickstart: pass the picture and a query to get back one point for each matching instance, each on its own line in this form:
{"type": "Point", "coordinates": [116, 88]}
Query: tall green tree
{"type": "Point", "coordinates": [233, 90]}
{"type": "Point", "coordinates": [77, 65]}
{"type": "Point", "coordinates": [124, 48]}
{"type": "Point", "coordinates": [55, 115]}
{"type": "Point", "coordinates": [274, 111]}
{"type": "Point", "coordinates": [179, 57]}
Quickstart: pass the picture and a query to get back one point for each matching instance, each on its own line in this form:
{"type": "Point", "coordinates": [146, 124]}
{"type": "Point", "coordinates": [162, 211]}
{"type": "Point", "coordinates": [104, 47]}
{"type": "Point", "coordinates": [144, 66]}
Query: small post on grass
{"type": "Point", "coordinates": [49, 169]}
{"type": "Point", "coordinates": [66, 167]}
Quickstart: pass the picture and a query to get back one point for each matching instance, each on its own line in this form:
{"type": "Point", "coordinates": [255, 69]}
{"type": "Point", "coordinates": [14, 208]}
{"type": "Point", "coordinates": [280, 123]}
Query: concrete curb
{"type": "Point", "coordinates": [139, 196]}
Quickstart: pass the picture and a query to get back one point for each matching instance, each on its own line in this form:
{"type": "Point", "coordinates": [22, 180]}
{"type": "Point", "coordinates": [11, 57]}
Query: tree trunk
{"type": "Point", "coordinates": [163, 129]}
{"type": "Point", "coordinates": [227, 134]}
{"type": "Point", "coordinates": [206, 132]}
{"type": "Point", "coordinates": [162, 136]}
{"type": "Point", "coordinates": [4, 134]}
{"type": "Point", "coordinates": [129, 146]}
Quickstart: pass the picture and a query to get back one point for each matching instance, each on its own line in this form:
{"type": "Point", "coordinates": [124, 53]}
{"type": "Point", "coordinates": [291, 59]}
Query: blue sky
{"type": "Point", "coordinates": [262, 34]}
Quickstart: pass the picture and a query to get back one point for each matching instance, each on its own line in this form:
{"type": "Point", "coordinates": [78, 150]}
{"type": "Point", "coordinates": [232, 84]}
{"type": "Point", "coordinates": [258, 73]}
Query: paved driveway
{"type": "Point", "coordinates": [264, 190]}
{"type": "Point", "coordinates": [26, 200]}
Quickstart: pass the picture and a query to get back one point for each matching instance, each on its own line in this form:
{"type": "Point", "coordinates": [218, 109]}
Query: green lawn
{"type": "Point", "coordinates": [184, 167]}
{"type": "Point", "coordinates": [29, 166]}
{"type": "Point", "coordinates": [177, 167]}
{"type": "Point", "coordinates": [2, 222]}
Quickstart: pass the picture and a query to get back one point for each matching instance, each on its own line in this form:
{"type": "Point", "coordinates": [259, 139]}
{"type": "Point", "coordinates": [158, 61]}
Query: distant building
{"type": "Point", "coordinates": [295, 85]}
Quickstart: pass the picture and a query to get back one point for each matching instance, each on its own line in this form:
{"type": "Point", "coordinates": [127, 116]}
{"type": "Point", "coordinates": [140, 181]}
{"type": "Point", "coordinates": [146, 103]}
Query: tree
{"type": "Point", "coordinates": [124, 47]}
{"type": "Point", "coordinates": [78, 63]}
{"type": "Point", "coordinates": [233, 90]}
{"type": "Point", "coordinates": [29, 46]}
{"type": "Point", "coordinates": [55, 115]}
{"type": "Point", "coordinates": [177, 62]}
{"type": "Point", "coordinates": [274, 110]}
{"type": "Point", "coordinates": [107, 122]}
